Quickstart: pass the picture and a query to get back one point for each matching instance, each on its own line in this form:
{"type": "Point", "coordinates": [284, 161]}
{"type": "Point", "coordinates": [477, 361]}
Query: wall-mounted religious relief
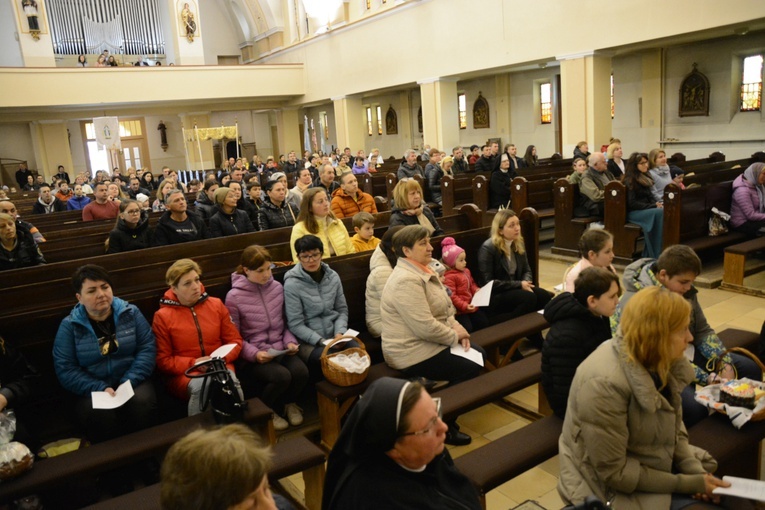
{"type": "Point", "coordinates": [188, 22]}
{"type": "Point", "coordinates": [480, 113]}
{"type": "Point", "coordinates": [31, 11]}
{"type": "Point", "coordinates": [694, 95]}
{"type": "Point", "coordinates": [419, 120]}
{"type": "Point", "coordinates": [391, 122]}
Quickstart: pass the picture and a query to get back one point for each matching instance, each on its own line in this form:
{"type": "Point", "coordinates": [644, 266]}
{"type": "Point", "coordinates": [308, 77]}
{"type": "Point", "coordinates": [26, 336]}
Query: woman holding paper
{"type": "Point", "coordinates": [256, 304]}
{"type": "Point", "coordinates": [190, 326]}
{"type": "Point", "coordinates": [623, 438]}
{"type": "Point", "coordinates": [418, 324]}
{"type": "Point", "coordinates": [103, 344]}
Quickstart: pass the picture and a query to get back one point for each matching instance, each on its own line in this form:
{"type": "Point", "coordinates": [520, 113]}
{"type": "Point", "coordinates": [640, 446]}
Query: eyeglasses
{"type": "Point", "coordinates": [431, 424]}
{"type": "Point", "coordinates": [133, 212]}
{"type": "Point", "coordinates": [308, 257]}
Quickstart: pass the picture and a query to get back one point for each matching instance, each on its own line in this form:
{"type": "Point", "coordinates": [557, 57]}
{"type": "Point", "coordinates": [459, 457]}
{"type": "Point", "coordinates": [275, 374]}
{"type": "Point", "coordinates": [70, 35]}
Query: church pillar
{"type": "Point", "coordinates": [189, 48]}
{"type": "Point", "coordinates": [440, 113]}
{"type": "Point", "coordinates": [199, 155]}
{"type": "Point", "coordinates": [288, 128]}
{"type": "Point", "coordinates": [504, 125]}
{"type": "Point", "coordinates": [36, 45]}
{"type": "Point", "coordinates": [52, 147]}
{"type": "Point", "coordinates": [586, 100]}
{"type": "Point", "coordinates": [349, 123]}
{"type": "Point", "coordinates": [651, 116]}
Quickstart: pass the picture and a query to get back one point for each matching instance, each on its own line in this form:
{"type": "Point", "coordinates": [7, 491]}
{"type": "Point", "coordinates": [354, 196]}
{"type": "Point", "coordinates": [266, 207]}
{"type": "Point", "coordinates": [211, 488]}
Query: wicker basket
{"type": "Point", "coordinates": [337, 375]}
{"type": "Point", "coordinates": [759, 415]}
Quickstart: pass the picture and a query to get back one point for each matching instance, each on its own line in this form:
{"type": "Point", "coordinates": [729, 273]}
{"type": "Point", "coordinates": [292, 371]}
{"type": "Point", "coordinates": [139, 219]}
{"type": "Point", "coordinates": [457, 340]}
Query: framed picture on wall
{"type": "Point", "coordinates": [694, 95]}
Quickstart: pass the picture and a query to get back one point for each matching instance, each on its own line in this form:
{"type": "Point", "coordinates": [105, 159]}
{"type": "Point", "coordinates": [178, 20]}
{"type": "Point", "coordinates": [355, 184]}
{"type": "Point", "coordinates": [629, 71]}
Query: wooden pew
{"type": "Point", "coordinates": [686, 215]}
{"type": "Point", "coordinates": [289, 457]}
{"type": "Point", "coordinates": [734, 265]}
{"type": "Point", "coordinates": [335, 401]}
{"type": "Point", "coordinates": [122, 451]}
{"type": "Point", "coordinates": [625, 234]}
{"type": "Point", "coordinates": [568, 228]}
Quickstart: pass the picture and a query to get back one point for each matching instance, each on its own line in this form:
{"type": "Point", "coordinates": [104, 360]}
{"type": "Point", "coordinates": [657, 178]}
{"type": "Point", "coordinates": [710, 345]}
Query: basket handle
{"type": "Point", "coordinates": [748, 354]}
{"type": "Point", "coordinates": [342, 339]}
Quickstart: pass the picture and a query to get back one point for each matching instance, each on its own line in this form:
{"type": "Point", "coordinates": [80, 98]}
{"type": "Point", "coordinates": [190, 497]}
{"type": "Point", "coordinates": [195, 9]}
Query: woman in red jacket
{"type": "Point", "coordinates": [189, 326]}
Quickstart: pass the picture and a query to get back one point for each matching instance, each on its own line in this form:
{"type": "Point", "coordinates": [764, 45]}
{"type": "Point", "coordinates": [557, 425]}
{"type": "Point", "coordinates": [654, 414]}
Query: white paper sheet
{"type": "Point", "coordinates": [222, 351]}
{"type": "Point", "coordinates": [350, 332]}
{"type": "Point", "coordinates": [483, 296]}
{"type": "Point", "coordinates": [102, 400]}
{"type": "Point", "coordinates": [472, 354]}
{"type": "Point", "coordinates": [274, 352]}
{"type": "Point", "coordinates": [742, 488]}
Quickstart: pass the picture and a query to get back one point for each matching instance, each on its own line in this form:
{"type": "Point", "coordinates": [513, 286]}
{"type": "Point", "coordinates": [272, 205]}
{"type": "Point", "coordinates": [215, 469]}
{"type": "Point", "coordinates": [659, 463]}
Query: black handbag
{"type": "Point", "coordinates": [591, 503]}
{"type": "Point", "coordinates": [219, 390]}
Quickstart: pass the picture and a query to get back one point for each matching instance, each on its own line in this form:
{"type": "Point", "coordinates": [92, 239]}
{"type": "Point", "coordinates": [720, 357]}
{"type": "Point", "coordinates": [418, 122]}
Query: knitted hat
{"type": "Point", "coordinates": [220, 195]}
{"type": "Point", "coordinates": [450, 251]}
{"type": "Point", "coordinates": [141, 197]}
{"type": "Point", "coordinates": [674, 171]}
{"type": "Point", "coordinates": [276, 176]}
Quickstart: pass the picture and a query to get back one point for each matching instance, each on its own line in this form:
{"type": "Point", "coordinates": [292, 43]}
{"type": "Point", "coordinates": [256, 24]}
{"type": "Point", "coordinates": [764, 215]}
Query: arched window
{"type": "Point", "coordinates": [751, 84]}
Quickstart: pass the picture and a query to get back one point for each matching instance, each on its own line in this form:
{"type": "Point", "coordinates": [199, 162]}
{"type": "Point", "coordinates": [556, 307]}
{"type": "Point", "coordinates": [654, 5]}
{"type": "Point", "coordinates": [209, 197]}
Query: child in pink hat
{"type": "Point", "coordinates": [459, 280]}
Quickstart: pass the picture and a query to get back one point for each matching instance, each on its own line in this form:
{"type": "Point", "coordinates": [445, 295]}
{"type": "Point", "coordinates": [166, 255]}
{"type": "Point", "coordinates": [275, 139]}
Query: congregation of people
{"type": "Point", "coordinates": [620, 362]}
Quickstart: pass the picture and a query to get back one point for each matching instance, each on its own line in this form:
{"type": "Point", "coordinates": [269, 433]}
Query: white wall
{"type": "Point", "coordinates": [16, 143]}
{"type": "Point", "coordinates": [487, 88]}
{"type": "Point", "coordinates": [220, 36]}
{"type": "Point", "coordinates": [261, 129]}
{"type": "Point", "coordinates": [720, 61]}
{"type": "Point", "coordinates": [10, 50]}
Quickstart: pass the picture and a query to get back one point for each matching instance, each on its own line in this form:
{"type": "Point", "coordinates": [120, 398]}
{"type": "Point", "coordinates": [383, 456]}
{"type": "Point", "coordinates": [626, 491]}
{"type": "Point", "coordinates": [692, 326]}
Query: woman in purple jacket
{"type": "Point", "coordinates": [747, 212]}
{"type": "Point", "coordinates": [256, 304]}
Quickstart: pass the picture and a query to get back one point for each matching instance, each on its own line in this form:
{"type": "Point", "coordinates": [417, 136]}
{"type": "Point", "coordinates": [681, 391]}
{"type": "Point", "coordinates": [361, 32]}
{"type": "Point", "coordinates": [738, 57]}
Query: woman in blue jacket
{"type": "Point", "coordinates": [314, 303]}
{"type": "Point", "coordinates": [103, 343]}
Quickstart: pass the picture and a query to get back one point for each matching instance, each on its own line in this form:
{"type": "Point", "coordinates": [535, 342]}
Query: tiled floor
{"type": "Point", "coordinates": [723, 309]}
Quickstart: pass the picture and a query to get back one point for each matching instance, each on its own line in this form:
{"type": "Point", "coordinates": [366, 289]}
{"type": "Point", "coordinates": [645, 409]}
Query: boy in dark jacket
{"type": "Point", "coordinates": [578, 325]}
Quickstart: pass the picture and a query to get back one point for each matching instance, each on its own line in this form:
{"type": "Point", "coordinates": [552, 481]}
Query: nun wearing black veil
{"type": "Point", "coordinates": [391, 454]}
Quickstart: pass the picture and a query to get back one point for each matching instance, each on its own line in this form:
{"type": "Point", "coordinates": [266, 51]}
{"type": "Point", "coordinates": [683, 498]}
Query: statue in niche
{"type": "Point", "coordinates": [419, 120]}
{"type": "Point", "coordinates": [31, 12]}
{"type": "Point", "coordinates": [391, 121]}
{"type": "Point", "coordinates": [187, 16]}
{"type": "Point", "coordinates": [480, 113]}
{"type": "Point", "coordinates": [163, 135]}
{"type": "Point", "coordinates": [694, 95]}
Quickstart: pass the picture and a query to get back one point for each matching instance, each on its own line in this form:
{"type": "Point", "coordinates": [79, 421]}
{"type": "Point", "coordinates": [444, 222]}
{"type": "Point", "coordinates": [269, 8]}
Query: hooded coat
{"type": "Point", "coordinates": [332, 233]}
{"type": "Point", "coordinates": [123, 238]}
{"type": "Point", "coordinates": [661, 176]}
{"type": "Point", "coordinates": [574, 334]}
{"type": "Point", "coordinates": [204, 206]}
{"type": "Point", "coordinates": [408, 172]}
{"type": "Point", "coordinates": [25, 254]}
{"type": "Point", "coordinates": [361, 476]}
{"type": "Point", "coordinates": [77, 358]}
{"type": "Point", "coordinates": [641, 274]}
{"type": "Point", "coordinates": [625, 439]}
{"type": "Point", "coordinates": [41, 207]}
{"type": "Point", "coordinates": [185, 333]}
{"type": "Point", "coordinates": [258, 312]}
{"type": "Point", "coordinates": [315, 311]}
{"type": "Point", "coordinates": [745, 204]}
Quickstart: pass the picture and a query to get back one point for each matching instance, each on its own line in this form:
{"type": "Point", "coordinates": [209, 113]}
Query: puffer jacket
{"type": "Point", "coordinates": [332, 234]}
{"type": "Point", "coordinates": [463, 288]}
{"type": "Point", "coordinates": [661, 177]}
{"type": "Point", "coordinates": [122, 238]}
{"type": "Point", "coordinates": [270, 216]}
{"type": "Point", "coordinates": [185, 333]}
{"type": "Point", "coordinates": [408, 172]}
{"type": "Point", "coordinates": [417, 316]}
{"type": "Point", "coordinates": [574, 334]}
{"type": "Point", "coordinates": [433, 175]}
{"type": "Point", "coordinates": [258, 313]}
{"type": "Point", "coordinates": [77, 358]}
{"type": "Point", "coordinates": [745, 204]}
{"type": "Point", "coordinates": [315, 311]}
{"type": "Point", "coordinates": [345, 206]}
{"type": "Point", "coordinates": [222, 224]}
{"type": "Point", "coordinates": [624, 439]}
{"type": "Point", "coordinates": [25, 254]}
{"type": "Point", "coordinates": [641, 274]}
{"type": "Point", "coordinates": [379, 272]}
{"type": "Point", "coordinates": [204, 206]}
{"type": "Point", "coordinates": [77, 203]}
{"type": "Point", "coordinates": [397, 217]}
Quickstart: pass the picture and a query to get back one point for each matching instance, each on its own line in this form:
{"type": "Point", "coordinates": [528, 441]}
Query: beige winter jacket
{"type": "Point", "coordinates": [417, 316]}
{"type": "Point", "coordinates": [379, 272]}
{"type": "Point", "coordinates": [622, 439]}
